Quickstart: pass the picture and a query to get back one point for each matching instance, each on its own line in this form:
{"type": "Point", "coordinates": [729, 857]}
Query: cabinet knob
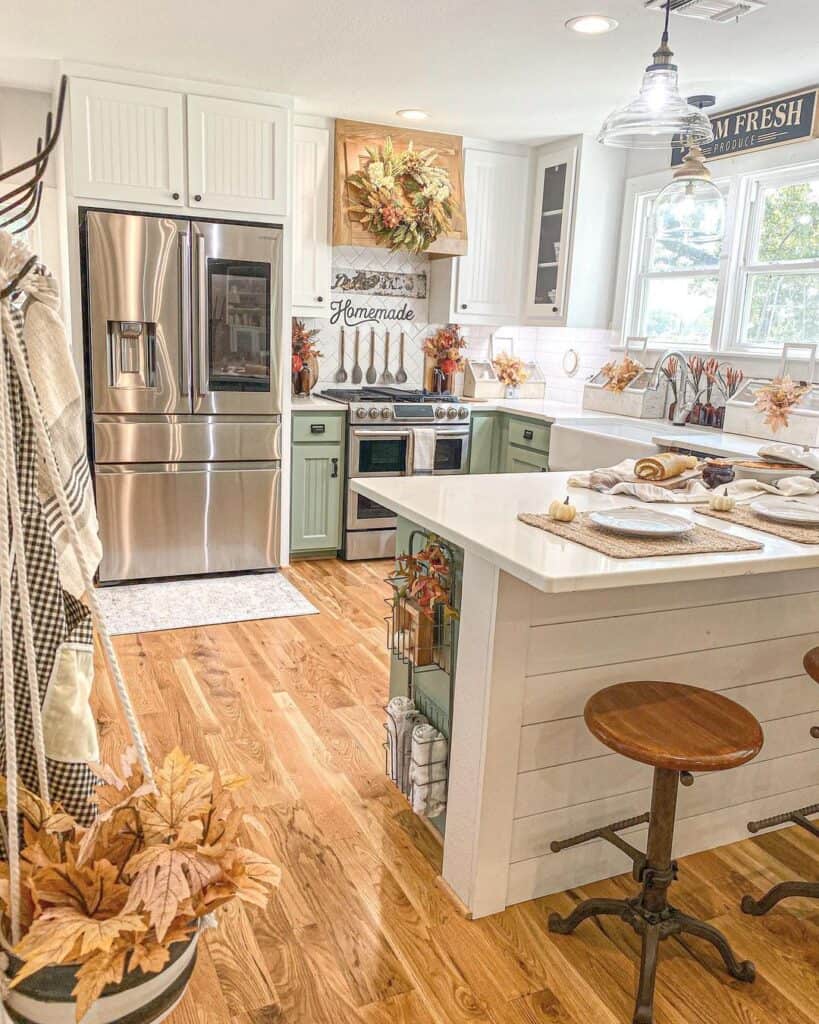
{"type": "Point", "coordinates": [555, 309]}
{"type": "Point", "coordinates": [198, 198]}
{"type": "Point", "coordinates": [319, 298]}
{"type": "Point", "coordinates": [174, 195]}
{"type": "Point", "coordinates": [463, 305]}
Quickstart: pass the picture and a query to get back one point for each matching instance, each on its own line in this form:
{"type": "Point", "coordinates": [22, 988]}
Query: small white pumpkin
{"type": "Point", "coordinates": [562, 511]}
{"type": "Point", "coordinates": [722, 502]}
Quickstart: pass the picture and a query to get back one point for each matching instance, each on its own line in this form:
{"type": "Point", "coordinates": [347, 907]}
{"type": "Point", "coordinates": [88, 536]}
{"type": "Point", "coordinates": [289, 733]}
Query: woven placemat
{"type": "Point", "coordinates": [745, 517]}
{"type": "Point", "coordinates": [700, 541]}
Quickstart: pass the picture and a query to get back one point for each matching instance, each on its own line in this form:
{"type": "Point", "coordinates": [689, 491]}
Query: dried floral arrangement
{"type": "Point", "coordinates": [444, 347]}
{"type": "Point", "coordinates": [404, 199]}
{"type": "Point", "coordinates": [113, 897]}
{"type": "Point", "coordinates": [620, 375]}
{"type": "Point", "coordinates": [303, 345]}
{"type": "Point", "coordinates": [733, 378]}
{"type": "Point", "coordinates": [510, 370]}
{"type": "Point", "coordinates": [425, 579]}
{"type": "Point", "coordinates": [777, 399]}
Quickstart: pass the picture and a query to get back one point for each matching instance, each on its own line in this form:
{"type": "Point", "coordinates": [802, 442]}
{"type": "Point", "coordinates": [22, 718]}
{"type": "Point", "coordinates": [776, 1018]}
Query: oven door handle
{"type": "Point", "coordinates": [381, 434]}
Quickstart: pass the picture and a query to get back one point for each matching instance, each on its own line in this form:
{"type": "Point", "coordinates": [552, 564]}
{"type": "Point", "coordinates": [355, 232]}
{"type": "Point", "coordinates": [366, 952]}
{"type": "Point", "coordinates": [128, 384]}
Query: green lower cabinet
{"type": "Point", "coordinates": [521, 460]}
{"type": "Point", "coordinates": [482, 445]}
{"type": "Point", "coordinates": [315, 499]}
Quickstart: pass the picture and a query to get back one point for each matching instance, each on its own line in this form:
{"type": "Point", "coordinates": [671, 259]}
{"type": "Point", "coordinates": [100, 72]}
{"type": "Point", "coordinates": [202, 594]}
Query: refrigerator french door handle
{"type": "Point", "coordinates": [185, 316]}
{"type": "Point", "coordinates": [202, 315]}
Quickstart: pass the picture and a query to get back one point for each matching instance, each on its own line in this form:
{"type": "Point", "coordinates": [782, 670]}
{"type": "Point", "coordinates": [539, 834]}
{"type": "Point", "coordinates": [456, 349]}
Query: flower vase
{"type": "Point", "coordinates": [305, 379]}
{"type": "Point", "coordinates": [442, 383]}
{"type": "Point", "coordinates": [512, 391]}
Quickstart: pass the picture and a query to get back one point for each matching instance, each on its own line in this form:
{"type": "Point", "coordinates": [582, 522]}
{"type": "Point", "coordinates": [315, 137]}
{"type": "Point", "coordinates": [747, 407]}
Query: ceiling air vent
{"type": "Point", "coordinates": [708, 10]}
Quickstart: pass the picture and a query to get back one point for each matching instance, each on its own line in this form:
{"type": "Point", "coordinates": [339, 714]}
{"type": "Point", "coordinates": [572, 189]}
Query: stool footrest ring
{"type": "Point", "coordinates": [797, 817]}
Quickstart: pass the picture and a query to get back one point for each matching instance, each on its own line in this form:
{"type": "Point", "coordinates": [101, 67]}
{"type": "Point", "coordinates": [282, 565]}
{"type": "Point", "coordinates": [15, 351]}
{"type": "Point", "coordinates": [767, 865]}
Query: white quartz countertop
{"type": "Point", "coordinates": [315, 403]}
{"type": "Point", "coordinates": [479, 514]}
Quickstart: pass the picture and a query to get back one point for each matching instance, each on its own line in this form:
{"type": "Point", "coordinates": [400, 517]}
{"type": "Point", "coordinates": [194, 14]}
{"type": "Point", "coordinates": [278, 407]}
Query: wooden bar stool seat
{"type": "Point", "coordinates": [800, 816]}
{"type": "Point", "coordinates": [676, 729]}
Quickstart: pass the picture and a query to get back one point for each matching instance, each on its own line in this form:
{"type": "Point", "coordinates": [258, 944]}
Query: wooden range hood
{"type": "Point", "coordinates": [353, 138]}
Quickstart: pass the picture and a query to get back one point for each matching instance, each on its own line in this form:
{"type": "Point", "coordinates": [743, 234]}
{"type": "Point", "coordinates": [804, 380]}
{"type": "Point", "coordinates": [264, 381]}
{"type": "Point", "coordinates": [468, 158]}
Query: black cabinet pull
{"type": "Point", "coordinates": [319, 298]}
{"type": "Point", "coordinates": [463, 305]}
{"type": "Point", "coordinates": [317, 428]}
{"type": "Point", "coordinates": [555, 309]}
{"type": "Point", "coordinates": [198, 199]}
{"type": "Point", "coordinates": [334, 464]}
{"type": "Point", "coordinates": [528, 435]}
{"type": "Point", "coordinates": [175, 195]}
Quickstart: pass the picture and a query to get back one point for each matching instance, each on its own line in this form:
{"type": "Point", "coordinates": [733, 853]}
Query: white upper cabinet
{"type": "Point", "coordinates": [550, 234]}
{"type": "Point", "coordinates": [574, 228]}
{"type": "Point", "coordinates": [484, 286]}
{"type": "Point", "coordinates": [312, 253]}
{"type": "Point", "coordinates": [237, 156]}
{"type": "Point", "coordinates": [127, 143]}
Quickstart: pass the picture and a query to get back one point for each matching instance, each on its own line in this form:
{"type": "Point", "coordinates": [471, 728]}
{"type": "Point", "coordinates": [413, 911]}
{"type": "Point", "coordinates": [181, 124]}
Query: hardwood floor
{"type": "Point", "coordinates": [360, 932]}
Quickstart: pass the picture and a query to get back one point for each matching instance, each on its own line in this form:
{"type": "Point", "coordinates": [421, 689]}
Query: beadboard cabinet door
{"type": "Point", "coordinates": [312, 252]}
{"type": "Point", "coordinates": [315, 500]}
{"type": "Point", "coordinates": [489, 275]}
{"type": "Point", "coordinates": [237, 156]}
{"type": "Point", "coordinates": [127, 143]}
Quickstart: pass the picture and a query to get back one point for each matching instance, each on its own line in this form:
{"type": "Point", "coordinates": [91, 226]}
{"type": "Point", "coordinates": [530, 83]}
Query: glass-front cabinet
{"type": "Point", "coordinates": [550, 235]}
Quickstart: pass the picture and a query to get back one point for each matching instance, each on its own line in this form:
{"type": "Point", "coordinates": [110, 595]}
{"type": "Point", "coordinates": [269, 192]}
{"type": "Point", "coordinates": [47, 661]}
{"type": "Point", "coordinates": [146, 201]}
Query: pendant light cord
{"type": "Point", "coordinates": [667, 17]}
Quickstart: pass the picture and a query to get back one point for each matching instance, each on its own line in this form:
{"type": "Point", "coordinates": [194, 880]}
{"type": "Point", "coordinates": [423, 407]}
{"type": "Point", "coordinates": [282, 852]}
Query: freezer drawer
{"type": "Point", "coordinates": [120, 439]}
{"type": "Point", "coordinates": [179, 519]}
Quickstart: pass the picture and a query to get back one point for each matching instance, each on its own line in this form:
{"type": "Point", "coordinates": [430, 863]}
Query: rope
{"type": "Point", "coordinates": [44, 444]}
{"type": "Point", "coordinates": [7, 647]}
{"type": "Point", "coordinates": [19, 556]}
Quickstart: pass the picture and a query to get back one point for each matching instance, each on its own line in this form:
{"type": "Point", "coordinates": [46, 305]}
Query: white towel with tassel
{"type": "Point", "coordinates": [429, 771]}
{"type": "Point", "coordinates": [423, 449]}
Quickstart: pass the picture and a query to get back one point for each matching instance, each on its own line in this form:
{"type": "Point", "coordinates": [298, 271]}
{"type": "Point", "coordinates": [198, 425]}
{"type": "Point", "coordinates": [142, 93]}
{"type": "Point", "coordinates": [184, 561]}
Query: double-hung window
{"type": "Point", "coordinates": [754, 292]}
{"type": "Point", "coordinates": [778, 276]}
{"type": "Point", "coordinates": [675, 286]}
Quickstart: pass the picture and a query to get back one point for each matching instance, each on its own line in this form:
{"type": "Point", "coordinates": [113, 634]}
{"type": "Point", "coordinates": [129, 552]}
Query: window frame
{"type": "Point", "coordinates": [742, 188]}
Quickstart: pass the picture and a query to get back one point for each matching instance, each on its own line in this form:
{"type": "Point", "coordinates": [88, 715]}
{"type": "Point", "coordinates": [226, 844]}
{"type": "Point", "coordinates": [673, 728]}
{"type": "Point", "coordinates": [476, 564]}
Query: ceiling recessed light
{"type": "Point", "coordinates": [412, 114]}
{"type": "Point", "coordinates": [592, 24]}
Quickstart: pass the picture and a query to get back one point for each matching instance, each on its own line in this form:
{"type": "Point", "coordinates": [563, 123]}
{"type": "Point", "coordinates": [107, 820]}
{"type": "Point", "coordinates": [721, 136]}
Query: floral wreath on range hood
{"type": "Point", "coordinates": [405, 199]}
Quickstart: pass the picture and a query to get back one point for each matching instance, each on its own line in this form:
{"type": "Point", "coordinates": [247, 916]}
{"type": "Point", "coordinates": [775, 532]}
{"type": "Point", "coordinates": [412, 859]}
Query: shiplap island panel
{"type": "Point", "coordinates": [544, 624]}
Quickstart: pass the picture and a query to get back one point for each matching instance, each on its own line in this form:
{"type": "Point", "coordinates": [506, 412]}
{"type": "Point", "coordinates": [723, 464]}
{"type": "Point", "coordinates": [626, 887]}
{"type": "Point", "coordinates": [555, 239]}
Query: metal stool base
{"type": "Point", "coordinates": [785, 889]}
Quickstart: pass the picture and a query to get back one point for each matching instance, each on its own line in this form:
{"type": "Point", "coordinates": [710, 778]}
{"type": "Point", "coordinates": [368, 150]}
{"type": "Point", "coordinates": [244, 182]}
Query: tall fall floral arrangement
{"type": "Point", "coordinates": [777, 399]}
{"type": "Point", "coordinates": [303, 345]}
{"type": "Point", "coordinates": [404, 199]}
{"type": "Point", "coordinates": [444, 347]}
{"type": "Point", "coordinates": [115, 896]}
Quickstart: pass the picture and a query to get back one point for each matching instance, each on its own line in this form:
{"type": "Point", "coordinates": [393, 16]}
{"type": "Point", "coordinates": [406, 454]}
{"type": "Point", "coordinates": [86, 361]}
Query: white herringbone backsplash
{"type": "Point", "coordinates": [546, 345]}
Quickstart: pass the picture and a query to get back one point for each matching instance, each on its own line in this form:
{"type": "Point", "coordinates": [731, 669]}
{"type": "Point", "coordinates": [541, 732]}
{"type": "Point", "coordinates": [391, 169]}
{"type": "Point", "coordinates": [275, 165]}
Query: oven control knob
{"type": "Point", "coordinates": [462, 413]}
{"type": "Point", "coordinates": [440, 413]}
{"type": "Point", "coordinates": [373, 414]}
{"type": "Point", "coordinates": [451, 412]}
{"type": "Point", "coordinates": [361, 413]}
{"type": "Point", "coordinates": [386, 412]}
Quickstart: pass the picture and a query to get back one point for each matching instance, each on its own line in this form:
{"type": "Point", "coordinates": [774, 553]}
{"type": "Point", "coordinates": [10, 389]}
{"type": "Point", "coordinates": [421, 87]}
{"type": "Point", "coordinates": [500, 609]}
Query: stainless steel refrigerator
{"type": "Point", "coordinates": [182, 330]}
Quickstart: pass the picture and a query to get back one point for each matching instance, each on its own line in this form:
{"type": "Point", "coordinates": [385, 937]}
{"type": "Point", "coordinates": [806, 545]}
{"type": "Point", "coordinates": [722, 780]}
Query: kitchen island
{"type": "Point", "coordinates": [545, 623]}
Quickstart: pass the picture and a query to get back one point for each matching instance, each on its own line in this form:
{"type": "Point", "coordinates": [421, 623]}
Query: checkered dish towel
{"type": "Point", "coordinates": [58, 388]}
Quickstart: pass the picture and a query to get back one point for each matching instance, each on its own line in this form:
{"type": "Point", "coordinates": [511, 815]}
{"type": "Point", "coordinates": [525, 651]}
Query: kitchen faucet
{"type": "Point", "coordinates": [682, 408]}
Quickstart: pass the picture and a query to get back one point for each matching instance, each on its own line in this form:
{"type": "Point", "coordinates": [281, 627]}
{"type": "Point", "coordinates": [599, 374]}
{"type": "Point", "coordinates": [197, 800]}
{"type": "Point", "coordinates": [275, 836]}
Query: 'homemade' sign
{"type": "Point", "coordinates": [773, 122]}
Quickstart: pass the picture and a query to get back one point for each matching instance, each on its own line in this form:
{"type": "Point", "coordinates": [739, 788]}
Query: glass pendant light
{"type": "Point", "coordinates": [658, 117]}
{"type": "Point", "coordinates": [691, 209]}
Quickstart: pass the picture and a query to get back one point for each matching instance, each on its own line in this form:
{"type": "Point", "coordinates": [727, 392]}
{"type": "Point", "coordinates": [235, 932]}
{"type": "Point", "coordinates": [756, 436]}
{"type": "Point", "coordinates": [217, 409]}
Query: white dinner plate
{"type": "Point", "coordinates": [783, 510]}
{"type": "Point", "coordinates": [642, 522]}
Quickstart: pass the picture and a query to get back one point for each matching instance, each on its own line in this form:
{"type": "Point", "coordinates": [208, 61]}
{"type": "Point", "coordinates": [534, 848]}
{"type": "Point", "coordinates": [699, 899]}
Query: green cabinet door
{"type": "Point", "coordinates": [520, 460]}
{"type": "Point", "coordinates": [315, 500]}
{"type": "Point", "coordinates": [482, 445]}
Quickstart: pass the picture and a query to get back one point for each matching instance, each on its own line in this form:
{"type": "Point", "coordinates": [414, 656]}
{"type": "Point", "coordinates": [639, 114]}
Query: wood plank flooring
{"type": "Point", "coordinates": [360, 932]}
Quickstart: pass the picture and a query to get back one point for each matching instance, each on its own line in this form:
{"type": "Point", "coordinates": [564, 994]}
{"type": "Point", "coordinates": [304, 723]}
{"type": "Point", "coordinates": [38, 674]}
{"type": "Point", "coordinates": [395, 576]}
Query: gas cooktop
{"type": "Point", "coordinates": [385, 394]}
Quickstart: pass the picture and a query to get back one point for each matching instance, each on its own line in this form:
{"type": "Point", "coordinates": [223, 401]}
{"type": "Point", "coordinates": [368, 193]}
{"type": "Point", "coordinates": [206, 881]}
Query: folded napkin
{"type": "Point", "coordinates": [686, 489]}
{"type": "Point", "coordinates": [428, 772]}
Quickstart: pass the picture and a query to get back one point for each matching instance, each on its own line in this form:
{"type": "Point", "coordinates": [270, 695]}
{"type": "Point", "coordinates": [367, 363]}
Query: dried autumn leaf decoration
{"type": "Point", "coordinates": [115, 896]}
{"type": "Point", "coordinates": [777, 399]}
{"type": "Point", "coordinates": [620, 375]}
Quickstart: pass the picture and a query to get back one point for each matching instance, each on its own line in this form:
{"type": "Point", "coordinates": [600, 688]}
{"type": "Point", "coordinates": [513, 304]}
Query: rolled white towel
{"type": "Point", "coordinates": [428, 771]}
{"type": "Point", "coordinates": [402, 716]}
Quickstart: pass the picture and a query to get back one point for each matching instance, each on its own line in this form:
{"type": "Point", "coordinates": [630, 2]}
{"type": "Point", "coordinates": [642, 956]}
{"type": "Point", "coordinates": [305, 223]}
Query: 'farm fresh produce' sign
{"type": "Point", "coordinates": [773, 122]}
